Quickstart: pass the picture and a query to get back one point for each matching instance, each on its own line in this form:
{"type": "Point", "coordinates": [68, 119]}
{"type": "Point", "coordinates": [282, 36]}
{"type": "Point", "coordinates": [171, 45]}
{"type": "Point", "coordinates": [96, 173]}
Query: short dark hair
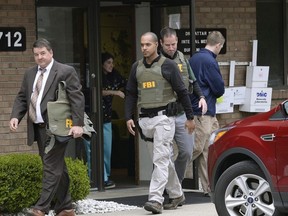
{"type": "Point", "coordinates": [105, 56]}
{"type": "Point", "coordinates": [152, 34]}
{"type": "Point", "coordinates": [166, 32]}
{"type": "Point", "coordinates": [42, 42]}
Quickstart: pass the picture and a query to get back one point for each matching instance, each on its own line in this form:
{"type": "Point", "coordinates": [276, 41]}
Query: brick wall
{"type": "Point", "coordinates": [15, 13]}
{"type": "Point", "coordinates": [239, 18]}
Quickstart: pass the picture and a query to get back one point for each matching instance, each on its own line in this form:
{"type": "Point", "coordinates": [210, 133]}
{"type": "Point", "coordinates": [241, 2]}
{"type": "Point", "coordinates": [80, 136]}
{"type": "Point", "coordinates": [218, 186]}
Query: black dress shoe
{"type": "Point", "coordinates": [67, 212]}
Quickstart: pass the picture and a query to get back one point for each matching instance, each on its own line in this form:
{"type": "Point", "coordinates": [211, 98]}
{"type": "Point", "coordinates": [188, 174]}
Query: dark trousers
{"type": "Point", "coordinates": [55, 182]}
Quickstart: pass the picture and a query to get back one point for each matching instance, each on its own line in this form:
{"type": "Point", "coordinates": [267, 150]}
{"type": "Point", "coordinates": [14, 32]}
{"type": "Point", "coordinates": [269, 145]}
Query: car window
{"type": "Point", "coordinates": [278, 116]}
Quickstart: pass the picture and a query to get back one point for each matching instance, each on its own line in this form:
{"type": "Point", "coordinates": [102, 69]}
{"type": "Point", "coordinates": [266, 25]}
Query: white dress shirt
{"type": "Point", "coordinates": [39, 118]}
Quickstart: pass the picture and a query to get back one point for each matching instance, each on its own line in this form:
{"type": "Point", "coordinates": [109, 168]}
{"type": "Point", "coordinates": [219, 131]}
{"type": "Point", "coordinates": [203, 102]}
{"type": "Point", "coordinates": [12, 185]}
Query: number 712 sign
{"type": "Point", "coordinates": [12, 39]}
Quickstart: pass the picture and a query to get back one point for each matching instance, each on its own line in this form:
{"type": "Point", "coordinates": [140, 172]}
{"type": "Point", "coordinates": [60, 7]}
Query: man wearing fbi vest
{"type": "Point", "coordinates": [184, 141]}
{"type": "Point", "coordinates": [152, 84]}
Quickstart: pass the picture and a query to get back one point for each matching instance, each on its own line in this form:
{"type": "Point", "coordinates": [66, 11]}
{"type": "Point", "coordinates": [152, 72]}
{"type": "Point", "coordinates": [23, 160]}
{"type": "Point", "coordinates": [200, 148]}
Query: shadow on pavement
{"type": "Point", "coordinates": [191, 198]}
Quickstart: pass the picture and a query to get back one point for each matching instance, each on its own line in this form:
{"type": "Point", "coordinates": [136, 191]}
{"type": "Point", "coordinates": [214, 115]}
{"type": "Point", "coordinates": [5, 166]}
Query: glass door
{"type": "Point", "coordinates": [65, 24]}
{"type": "Point", "coordinates": [66, 29]}
{"type": "Point", "coordinates": [68, 37]}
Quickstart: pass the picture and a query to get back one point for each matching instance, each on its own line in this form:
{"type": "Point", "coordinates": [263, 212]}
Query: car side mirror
{"type": "Point", "coordinates": [285, 107]}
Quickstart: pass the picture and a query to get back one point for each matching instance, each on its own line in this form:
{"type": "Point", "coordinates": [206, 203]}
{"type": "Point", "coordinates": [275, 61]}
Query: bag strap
{"type": "Point", "coordinates": [62, 96]}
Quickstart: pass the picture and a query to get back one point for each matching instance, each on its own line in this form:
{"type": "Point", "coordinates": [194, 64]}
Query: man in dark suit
{"type": "Point", "coordinates": [55, 181]}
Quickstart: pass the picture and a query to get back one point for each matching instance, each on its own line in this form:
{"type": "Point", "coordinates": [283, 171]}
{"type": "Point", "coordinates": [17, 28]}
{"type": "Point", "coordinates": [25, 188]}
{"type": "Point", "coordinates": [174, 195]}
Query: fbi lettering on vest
{"type": "Point", "coordinates": [180, 66]}
{"type": "Point", "coordinates": [69, 123]}
{"type": "Point", "coordinates": [149, 84]}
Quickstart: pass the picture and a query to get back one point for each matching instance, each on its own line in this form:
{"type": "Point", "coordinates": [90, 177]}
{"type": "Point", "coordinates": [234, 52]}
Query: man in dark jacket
{"type": "Point", "coordinates": [42, 81]}
{"type": "Point", "coordinates": [207, 73]}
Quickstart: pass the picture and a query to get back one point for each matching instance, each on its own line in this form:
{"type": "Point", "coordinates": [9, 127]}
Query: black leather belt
{"type": "Point", "coordinates": [41, 125]}
{"type": "Point", "coordinates": [156, 109]}
{"type": "Point", "coordinates": [152, 114]}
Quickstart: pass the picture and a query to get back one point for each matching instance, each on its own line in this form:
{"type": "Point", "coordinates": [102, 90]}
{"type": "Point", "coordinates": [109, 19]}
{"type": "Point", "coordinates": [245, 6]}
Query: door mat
{"type": "Point", "coordinates": [191, 198]}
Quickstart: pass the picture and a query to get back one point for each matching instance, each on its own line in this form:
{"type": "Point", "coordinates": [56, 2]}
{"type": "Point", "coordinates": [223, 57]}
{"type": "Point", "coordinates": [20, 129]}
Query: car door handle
{"type": "Point", "coordinates": [268, 137]}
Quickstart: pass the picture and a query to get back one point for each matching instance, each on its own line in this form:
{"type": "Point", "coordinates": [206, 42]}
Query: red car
{"type": "Point", "coordinates": [248, 165]}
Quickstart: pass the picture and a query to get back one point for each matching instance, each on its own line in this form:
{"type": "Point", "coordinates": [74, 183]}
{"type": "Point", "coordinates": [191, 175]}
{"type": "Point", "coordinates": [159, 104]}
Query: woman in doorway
{"type": "Point", "coordinates": [112, 82]}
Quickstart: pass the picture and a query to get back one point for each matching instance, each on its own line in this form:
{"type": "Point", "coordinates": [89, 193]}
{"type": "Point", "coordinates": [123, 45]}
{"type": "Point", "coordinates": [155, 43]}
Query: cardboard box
{"type": "Point", "coordinates": [239, 94]}
{"type": "Point", "coordinates": [258, 85]}
{"type": "Point", "coordinates": [256, 109]}
{"type": "Point", "coordinates": [257, 76]}
{"type": "Point", "coordinates": [257, 100]}
{"type": "Point", "coordinates": [225, 104]}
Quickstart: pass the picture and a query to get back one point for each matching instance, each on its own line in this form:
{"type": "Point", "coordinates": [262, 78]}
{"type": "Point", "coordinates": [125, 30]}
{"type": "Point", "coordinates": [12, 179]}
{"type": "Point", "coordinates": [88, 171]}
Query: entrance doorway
{"type": "Point", "coordinates": [117, 37]}
{"type": "Point", "coordinates": [67, 30]}
{"type": "Point", "coordinates": [69, 26]}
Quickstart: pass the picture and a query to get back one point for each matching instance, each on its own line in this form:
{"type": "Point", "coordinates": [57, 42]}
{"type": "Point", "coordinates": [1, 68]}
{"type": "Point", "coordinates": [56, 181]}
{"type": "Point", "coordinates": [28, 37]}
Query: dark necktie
{"type": "Point", "coordinates": [35, 94]}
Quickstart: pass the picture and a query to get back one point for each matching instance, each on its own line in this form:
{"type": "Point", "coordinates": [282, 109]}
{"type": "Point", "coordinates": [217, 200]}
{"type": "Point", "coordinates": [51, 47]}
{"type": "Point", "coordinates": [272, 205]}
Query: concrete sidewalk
{"type": "Point", "coordinates": [203, 209]}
